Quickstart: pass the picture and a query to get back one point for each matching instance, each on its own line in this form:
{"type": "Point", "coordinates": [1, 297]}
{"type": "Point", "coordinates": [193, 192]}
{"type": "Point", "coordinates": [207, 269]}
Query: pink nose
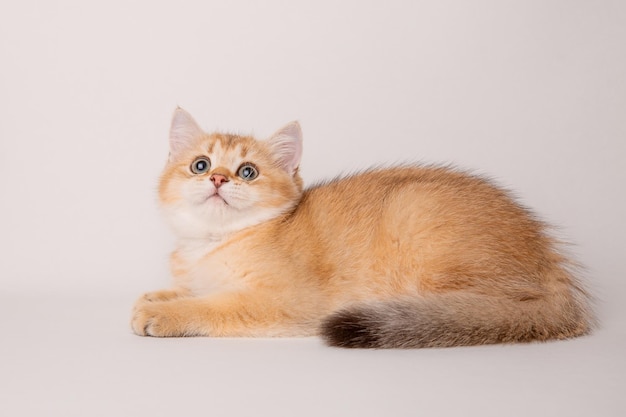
{"type": "Point", "coordinates": [218, 180]}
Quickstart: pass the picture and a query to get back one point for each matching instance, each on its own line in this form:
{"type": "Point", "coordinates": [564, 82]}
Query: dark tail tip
{"type": "Point", "coordinates": [349, 329]}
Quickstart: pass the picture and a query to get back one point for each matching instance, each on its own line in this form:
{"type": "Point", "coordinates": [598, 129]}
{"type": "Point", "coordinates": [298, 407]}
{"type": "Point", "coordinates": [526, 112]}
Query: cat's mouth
{"type": "Point", "coordinates": [216, 198]}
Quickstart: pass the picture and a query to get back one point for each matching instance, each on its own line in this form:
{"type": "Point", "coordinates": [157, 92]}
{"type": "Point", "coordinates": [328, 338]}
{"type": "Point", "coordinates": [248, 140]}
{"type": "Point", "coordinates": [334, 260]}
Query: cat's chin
{"type": "Point", "coordinates": [215, 218]}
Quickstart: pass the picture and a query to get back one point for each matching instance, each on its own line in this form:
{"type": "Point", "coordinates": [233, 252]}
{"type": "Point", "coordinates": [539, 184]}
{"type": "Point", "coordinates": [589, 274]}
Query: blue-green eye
{"type": "Point", "coordinates": [200, 165]}
{"type": "Point", "coordinates": [248, 172]}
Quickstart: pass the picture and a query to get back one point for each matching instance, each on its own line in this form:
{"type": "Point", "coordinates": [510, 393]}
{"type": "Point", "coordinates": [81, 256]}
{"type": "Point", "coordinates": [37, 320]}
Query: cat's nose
{"type": "Point", "coordinates": [218, 180]}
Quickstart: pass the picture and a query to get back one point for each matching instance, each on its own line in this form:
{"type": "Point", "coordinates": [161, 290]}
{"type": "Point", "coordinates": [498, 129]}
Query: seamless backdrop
{"type": "Point", "coordinates": [531, 93]}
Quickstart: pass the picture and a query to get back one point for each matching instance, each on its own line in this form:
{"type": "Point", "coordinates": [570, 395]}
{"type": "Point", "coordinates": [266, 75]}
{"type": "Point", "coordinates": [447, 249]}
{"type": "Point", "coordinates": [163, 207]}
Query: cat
{"type": "Point", "coordinates": [403, 257]}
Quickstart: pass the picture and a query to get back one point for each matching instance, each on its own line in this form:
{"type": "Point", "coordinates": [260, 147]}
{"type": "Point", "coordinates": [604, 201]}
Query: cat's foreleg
{"type": "Point", "coordinates": [234, 314]}
{"type": "Point", "coordinates": [164, 295]}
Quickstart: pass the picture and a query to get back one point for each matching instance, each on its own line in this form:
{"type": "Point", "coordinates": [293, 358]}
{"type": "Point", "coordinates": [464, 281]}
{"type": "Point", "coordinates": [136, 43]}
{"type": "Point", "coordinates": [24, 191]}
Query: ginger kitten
{"type": "Point", "coordinates": [404, 257]}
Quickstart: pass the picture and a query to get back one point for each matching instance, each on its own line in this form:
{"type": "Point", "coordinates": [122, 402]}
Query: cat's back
{"type": "Point", "coordinates": [426, 218]}
{"type": "Point", "coordinates": [406, 191]}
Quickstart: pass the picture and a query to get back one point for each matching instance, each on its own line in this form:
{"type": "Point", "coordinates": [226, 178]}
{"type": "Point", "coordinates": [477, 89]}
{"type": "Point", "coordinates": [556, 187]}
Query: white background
{"type": "Point", "coordinates": [531, 93]}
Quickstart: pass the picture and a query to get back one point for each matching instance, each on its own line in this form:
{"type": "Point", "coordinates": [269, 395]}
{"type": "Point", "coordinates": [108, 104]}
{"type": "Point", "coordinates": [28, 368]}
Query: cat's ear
{"type": "Point", "coordinates": [183, 131]}
{"type": "Point", "coordinates": [286, 146]}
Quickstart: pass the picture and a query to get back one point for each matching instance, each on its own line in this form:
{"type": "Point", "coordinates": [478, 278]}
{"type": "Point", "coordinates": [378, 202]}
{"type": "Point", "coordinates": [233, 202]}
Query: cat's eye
{"type": "Point", "coordinates": [200, 165]}
{"type": "Point", "coordinates": [248, 172]}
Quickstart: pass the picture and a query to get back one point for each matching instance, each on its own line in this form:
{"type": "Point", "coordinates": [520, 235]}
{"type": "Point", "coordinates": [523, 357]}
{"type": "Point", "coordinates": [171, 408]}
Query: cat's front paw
{"type": "Point", "coordinates": [160, 319]}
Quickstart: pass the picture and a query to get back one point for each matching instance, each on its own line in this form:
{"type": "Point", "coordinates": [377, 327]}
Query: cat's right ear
{"type": "Point", "coordinates": [286, 145]}
{"type": "Point", "coordinates": [183, 131]}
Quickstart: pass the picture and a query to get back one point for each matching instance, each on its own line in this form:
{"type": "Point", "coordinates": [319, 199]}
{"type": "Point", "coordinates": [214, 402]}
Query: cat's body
{"type": "Point", "coordinates": [399, 257]}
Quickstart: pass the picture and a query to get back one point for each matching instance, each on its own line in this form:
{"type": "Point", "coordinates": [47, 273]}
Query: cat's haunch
{"type": "Point", "coordinates": [403, 257]}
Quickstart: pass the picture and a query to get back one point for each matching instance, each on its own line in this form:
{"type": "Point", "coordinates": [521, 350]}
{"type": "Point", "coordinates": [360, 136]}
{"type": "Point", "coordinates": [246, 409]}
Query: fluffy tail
{"type": "Point", "coordinates": [459, 319]}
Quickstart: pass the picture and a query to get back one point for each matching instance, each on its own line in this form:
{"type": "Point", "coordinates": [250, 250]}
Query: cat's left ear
{"type": "Point", "coordinates": [286, 146]}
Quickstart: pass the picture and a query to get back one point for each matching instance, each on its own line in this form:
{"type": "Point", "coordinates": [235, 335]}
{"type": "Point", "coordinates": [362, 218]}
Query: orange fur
{"type": "Point", "coordinates": [297, 261]}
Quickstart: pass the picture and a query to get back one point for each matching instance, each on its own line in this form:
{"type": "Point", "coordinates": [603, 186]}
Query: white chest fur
{"type": "Point", "coordinates": [205, 269]}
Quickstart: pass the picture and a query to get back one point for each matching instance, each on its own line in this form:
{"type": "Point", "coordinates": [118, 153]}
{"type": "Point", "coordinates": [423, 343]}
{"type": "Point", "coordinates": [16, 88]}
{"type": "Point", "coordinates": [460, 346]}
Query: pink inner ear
{"type": "Point", "coordinates": [286, 145]}
{"type": "Point", "coordinates": [183, 131]}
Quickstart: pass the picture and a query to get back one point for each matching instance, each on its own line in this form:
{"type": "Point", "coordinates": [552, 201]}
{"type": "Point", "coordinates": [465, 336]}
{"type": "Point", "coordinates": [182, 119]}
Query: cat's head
{"type": "Point", "coordinates": [217, 183]}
